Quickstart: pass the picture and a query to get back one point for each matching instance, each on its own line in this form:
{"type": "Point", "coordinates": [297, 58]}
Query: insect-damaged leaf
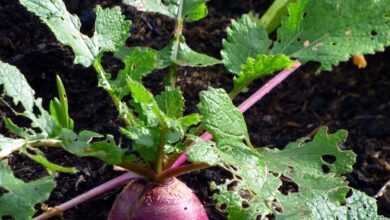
{"type": "Point", "coordinates": [111, 28]}
{"type": "Point", "coordinates": [332, 31]}
{"type": "Point", "coordinates": [316, 167]}
{"type": "Point", "coordinates": [21, 197]}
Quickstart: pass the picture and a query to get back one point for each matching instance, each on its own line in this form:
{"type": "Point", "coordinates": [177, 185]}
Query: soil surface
{"type": "Point", "coordinates": [348, 98]}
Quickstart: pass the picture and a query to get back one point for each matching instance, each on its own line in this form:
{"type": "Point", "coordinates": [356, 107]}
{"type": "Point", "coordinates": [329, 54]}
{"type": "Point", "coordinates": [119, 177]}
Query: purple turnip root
{"type": "Point", "coordinates": [141, 200]}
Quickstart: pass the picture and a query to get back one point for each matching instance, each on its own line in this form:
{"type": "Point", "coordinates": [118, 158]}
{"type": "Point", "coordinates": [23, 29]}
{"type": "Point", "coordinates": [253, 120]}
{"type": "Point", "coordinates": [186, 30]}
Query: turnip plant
{"type": "Point", "coordinates": [166, 143]}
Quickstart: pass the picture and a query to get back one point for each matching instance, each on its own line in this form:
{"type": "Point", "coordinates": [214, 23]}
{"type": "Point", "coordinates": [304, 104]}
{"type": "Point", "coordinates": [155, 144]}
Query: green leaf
{"type": "Point", "coordinates": [190, 120]}
{"type": "Point", "coordinates": [332, 31]}
{"type": "Point", "coordinates": [171, 102]}
{"type": "Point", "coordinates": [59, 109]}
{"type": "Point", "coordinates": [21, 197]}
{"type": "Point", "coordinates": [9, 145]}
{"type": "Point", "coordinates": [139, 61]}
{"type": "Point", "coordinates": [83, 145]}
{"type": "Point", "coordinates": [221, 118]}
{"type": "Point", "coordinates": [253, 191]}
{"type": "Point", "coordinates": [316, 166]}
{"type": "Point", "coordinates": [303, 162]}
{"type": "Point", "coordinates": [360, 206]}
{"type": "Point", "coordinates": [245, 38]}
{"type": "Point", "coordinates": [146, 141]}
{"type": "Point", "coordinates": [178, 52]}
{"type": "Point", "coordinates": [111, 28]}
{"type": "Point", "coordinates": [262, 65]}
{"type": "Point", "coordinates": [149, 108]}
{"type": "Point", "coordinates": [16, 86]}
{"type": "Point", "coordinates": [189, 10]}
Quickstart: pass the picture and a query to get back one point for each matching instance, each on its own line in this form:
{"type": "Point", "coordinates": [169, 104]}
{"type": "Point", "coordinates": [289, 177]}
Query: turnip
{"type": "Point", "coordinates": [172, 199]}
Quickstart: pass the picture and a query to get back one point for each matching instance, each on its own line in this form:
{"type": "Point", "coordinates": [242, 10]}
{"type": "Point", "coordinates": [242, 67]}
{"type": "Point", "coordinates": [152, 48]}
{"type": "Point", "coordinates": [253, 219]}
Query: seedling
{"type": "Point", "coordinates": [163, 137]}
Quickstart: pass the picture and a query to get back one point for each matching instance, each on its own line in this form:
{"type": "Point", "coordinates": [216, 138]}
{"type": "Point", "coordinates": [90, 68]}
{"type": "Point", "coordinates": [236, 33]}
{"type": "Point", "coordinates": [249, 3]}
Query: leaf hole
{"type": "Point", "coordinates": [325, 168]}
{"type": "Point", "coordinates": [222, 207]}
{"type": "Point", "coordinates": [374, 33]}
{"type": "Point", "coordinates": [245, 204]}
{"type": "Point", "coordinates": [330, 159]}
{"type": "Point", "coordinates": [288, 186]}
{"type": "Point", "coordinates": [246, 194]}
{"type": "Point", "coordinates": [232, 186]}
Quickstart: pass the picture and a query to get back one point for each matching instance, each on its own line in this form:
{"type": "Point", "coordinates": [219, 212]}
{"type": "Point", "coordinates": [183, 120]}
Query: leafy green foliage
{"type": "Point", "coordinates": [188, 10]}
{"type": "Point", "coordinates": [15, 86]}
{"type": "Point", "coordinates": [316, 167]}
{"type": "Point", "coordinates": [111, 28]}
{"type": "Point", "coordinates": [332, 31]}
{"type": "Point", "coordinates": [83, 145]}
{"type": "Point", "coordinates": [245, 38]}
{"type": "Point", "coordinates": [221, 117]}
{"type": "Point", "coordinates": [20, 198]}
{"type": "Point", "coordinates": [139, 61]}
{"type": "Point", "coordinates": [171, 102]}
{"type": "Point", "coordinates": [259, 67]}
{"type": "Point", "coordinates": [178, 52]}
{"type": "Point", "coordinates": [327, 32]}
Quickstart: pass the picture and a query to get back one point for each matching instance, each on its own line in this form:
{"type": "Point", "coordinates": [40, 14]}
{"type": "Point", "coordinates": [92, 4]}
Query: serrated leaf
{"type": "Point", "coordinates": [262, 65]}
{"type": "Point", "coordinates": [111, 28]}
{"type": "Point", "coordinates": [221, 118]}
{"type": "Point", "coordinates": [253, 190]}
{"type": "Point", "coordinates": [21, 197]}
{"type": "Point", "coordinates": [171, 102]}
{"type": "Point", "coordinates": [245, 38]}
{"type": "Point", "coordinates": [360, 206]}
{"type": "Point", "coordinates": [139, 61]}
{"type": "Point", "coordinates": [332, 31]}
{"type": "Point", "coordinates": [189, 10]}
{"type": "Point", "coordinates": [178, 52]}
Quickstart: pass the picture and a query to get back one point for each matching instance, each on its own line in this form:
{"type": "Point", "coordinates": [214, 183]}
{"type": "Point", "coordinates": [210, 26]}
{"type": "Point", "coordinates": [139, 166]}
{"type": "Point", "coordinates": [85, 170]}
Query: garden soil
{"type": "Point", "coordinates": [348, 98]}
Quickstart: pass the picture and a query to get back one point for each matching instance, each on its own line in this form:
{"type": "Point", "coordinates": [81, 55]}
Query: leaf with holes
{"type": "Point", "coordinates": [111, 28]}
{"type": "Point", "coordinates": [21, 197]}
{"type": "Point", "coordinates": [332, 31]}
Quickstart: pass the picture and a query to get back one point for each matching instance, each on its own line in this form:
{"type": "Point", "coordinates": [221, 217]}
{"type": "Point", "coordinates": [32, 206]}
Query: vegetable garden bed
{"type": "Point", "coordinates": [345, 98]}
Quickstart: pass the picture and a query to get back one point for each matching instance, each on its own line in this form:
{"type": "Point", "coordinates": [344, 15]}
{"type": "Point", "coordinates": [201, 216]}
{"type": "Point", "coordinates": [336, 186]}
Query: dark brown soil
{"type": "Point", "coordinates": [356, 100]}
